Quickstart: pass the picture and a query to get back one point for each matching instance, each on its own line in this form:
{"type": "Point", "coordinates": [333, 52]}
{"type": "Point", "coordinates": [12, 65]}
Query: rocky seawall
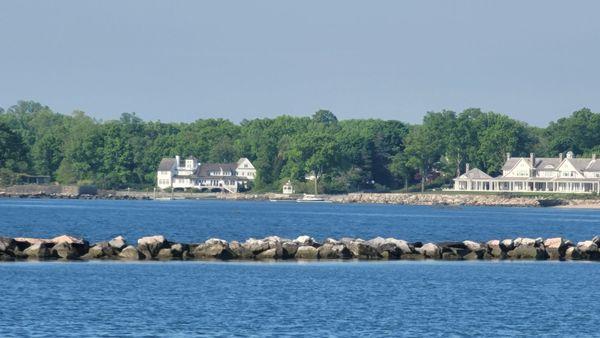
{"type": "Point", "coordinates": [438, 199]}
{"type": "Point", "coordinates": [302, 248]}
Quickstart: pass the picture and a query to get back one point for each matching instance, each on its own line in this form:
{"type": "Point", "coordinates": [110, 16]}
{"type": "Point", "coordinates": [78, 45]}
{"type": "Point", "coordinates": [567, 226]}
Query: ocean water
{"type": "Point", "coordinates": [182, 299]}
{"type": "Point", "coordinates": [194, 221]}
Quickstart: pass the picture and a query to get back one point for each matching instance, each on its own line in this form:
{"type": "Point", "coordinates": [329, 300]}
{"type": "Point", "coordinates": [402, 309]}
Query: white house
{"type": "Point", "coordinates": [543, 174]}
{"type": "Point", "coordinates": [190, 173]}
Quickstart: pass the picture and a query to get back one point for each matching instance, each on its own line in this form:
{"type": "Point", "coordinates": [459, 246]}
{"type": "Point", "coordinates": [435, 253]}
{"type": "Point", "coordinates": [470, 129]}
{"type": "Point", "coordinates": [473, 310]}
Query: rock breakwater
{"type": "Point", "coordinates": [438, 199]}
{"type": "Point", "coordinates": [302, 248]}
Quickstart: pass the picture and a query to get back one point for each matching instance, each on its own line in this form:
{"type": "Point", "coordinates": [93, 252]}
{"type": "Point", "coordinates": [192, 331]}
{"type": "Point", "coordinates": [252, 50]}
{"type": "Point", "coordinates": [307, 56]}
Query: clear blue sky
{"type": "Point", "coordinates": [184, 60]}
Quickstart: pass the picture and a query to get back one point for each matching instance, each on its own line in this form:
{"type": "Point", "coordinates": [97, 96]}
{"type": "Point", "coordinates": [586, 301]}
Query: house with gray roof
{"type": "Point", "coordinates": [176, 173]}
{"type": "Point", "coordinates": [536, 174]}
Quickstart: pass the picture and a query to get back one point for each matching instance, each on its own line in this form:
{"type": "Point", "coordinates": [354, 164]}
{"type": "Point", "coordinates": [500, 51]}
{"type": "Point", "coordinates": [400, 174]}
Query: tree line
{"type": "Point", "coordinates": [346, 155]}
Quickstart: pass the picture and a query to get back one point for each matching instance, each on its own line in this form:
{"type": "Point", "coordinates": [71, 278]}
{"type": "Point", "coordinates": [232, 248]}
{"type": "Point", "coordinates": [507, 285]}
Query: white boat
{"type": "Point", "coordinates": [312, 198]}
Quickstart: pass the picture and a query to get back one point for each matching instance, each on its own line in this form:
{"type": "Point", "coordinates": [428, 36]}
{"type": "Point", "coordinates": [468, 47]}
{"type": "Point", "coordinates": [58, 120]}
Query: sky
{"type": "Point", "coordinates": [185, 60]}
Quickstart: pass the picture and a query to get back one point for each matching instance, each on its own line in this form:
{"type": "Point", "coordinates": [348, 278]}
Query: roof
{"type": "Point", "coordinates": [551, 163]}
{"type": "Point", "coordinates": [546, 163]}
{"type": "Point", "coordinates": [166, 164]}
{"type": "Point", "coordinates": [205, 168]}
{"type": "Point", "coordinates": [510, 163]}
{"type": "Point", "coordinates": [593, 166]}
{"type": "Point", "coordinates": [475, 174]}
{"type": "Point", "coordinates": [579, 163]}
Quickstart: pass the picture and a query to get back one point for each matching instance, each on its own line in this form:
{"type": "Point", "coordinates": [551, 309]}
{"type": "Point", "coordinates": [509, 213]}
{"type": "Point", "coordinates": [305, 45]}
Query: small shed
{"type": "Point", "coordinates": [288, 188]}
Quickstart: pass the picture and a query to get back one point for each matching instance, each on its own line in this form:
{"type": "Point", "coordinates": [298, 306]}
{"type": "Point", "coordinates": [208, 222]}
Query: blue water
{"type": "Point", "coordinates": [194, 221]}
{"type": "Point", "coordinates": [295, 299]}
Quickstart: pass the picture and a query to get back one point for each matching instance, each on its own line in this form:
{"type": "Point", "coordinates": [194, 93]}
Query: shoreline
{"type": "Point", "coordinates": [427, 199]}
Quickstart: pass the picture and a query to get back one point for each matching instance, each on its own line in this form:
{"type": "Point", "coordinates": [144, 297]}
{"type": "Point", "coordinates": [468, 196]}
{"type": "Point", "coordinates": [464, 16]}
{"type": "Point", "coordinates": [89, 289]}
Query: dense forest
{"type": "Point", "coordinates": [347, 155]}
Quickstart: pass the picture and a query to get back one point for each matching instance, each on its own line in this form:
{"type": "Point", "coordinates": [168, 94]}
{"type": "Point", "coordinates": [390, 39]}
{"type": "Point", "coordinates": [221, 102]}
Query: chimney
{"type": "Point", "coordinates": [507, 156]}
{"type": "Point", "coordinates": [560, 156]}
{"type": "Point", "coordinates": [593, 157]}
{"type": "Point", "coordinates": [177, 159]}
{"type": "Point", "coordinates": [467, 168]}
{"type": "Point", "coordinates": [532, 159]}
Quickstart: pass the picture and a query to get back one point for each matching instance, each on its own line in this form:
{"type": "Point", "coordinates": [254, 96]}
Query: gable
{"type": "Point", "coordinates": [567, 169]}
{"type": "Point", "coordinates": [521, 169]}
{"type": "Point", "coordinates": [244, 163]}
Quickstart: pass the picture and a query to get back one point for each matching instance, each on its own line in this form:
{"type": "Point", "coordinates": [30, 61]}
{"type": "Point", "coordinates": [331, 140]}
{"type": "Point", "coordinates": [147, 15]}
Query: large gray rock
{"type": "Point", "coordinates": [7, 244]}
{"type": "Point", "coordinates": [376, 242]}
{"type": "Point", "coordinates": [178, 250]}
{"type": "Point", "coordinates": [118, 243]}
{"type": "Point", "coordinates": [99, 251]}
{"type": "Point", "coordinates": [68, 239]}
{"type": "Point", "coordinates": [269, 254]}
{"type": "Point", "coordinates": [255, 246]}
{"type": "Point", "coordinates": [527, 252]}
{"type": "Point", "coordinates": [495, 249]}
{"type": "Point", "coordinates": [476, 250]}
{"type": "Point", "coordinates": [130, 253]}
{"type": "Point", "coordinates": [240, 251]}
{"type": "Point", "coordinates": [66, 250]}
{"type": "Point", "coordinates": [307, 252]}
{"type": "Point", "coordinates": [588, 250]}
{"type": "Point", "coordinates": [473, 246]}
{"type": "Point", "coordinates": [507, 244]}
{"type": "Point", "coordinates": [166, 254]}
{"type": "Point", "coordinates": [213, 249]}
{"type": "Point", "coordinates": [151, 245]}
{"type": "Point", "coordinates": [430, 250]}
{"type": "Point", "coordinates": [289, 249]}
{"type": "Point", "coordinates": [572, 253]}
{"type": "Point", "coordinates": [361, 249]}
{"type": "Point", "coordinates": [305, 240]}
{"type": "Point", "coordinates": [453, 250]}
{"type": "Point", "coordinates": [587, 246]}
{"type": "Point", "coordinates": [389, 248]}
{"type": "Point", "coordinates": [555, 247]}
{"type": "Point", "coordinates": [39, 250]}
{"type": "Point", "coordinates": [525, 242]}
{"type": "Point", "coordinates": [333, 251]}
{"type": "Point", "coordinates": [400, 244]}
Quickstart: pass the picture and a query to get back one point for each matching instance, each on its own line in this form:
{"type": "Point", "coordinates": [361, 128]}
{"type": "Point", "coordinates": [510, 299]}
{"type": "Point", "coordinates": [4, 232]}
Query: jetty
{"type": "Point", "coordinates": [304, 247]}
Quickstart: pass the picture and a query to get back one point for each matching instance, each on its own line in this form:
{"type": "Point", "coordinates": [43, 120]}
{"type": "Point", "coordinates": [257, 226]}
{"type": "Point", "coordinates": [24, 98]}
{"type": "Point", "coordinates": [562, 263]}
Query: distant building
{"type": "Point", "coordinates": [537, 174]}
{"type": "Point", "coordinates": [190, 173]}
{"type": "Point", "coordinates": [288, 188]}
